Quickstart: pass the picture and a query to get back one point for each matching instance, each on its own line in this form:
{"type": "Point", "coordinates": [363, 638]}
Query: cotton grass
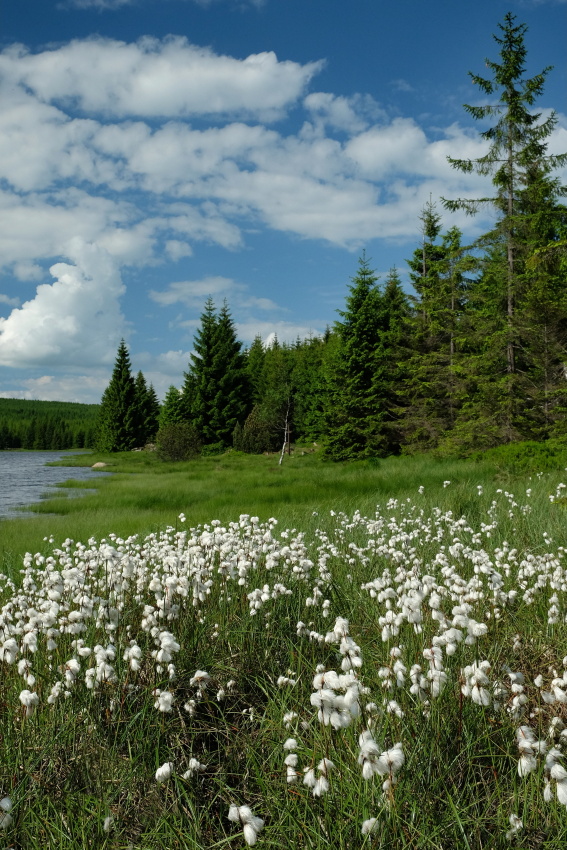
{"type": "Point", "coordinates": [382, 672]}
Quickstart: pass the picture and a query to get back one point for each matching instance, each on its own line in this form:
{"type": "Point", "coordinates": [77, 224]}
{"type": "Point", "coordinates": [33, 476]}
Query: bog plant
{"type": "Point", "coordinates": [397, 680]}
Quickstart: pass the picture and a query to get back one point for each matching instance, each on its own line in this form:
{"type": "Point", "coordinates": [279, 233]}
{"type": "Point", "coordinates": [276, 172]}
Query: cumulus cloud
{"type": "Point", "coordinates": [81, 388]}
{"type": "Point", "coordinates": [75, 320]}
{"type": "Point", "coordinates": [193, 293]}
{"type": "Point", "coordinates": [350, 114]}
{"type": "Point", "coordinates": [157, 78]}
{"type": "Point", "coordinates": [11, 302]}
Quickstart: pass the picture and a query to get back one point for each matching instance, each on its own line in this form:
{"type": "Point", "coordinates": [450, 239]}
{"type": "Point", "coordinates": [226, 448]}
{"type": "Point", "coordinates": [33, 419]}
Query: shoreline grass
{"type": "Point", "coordinates": [144, 495]}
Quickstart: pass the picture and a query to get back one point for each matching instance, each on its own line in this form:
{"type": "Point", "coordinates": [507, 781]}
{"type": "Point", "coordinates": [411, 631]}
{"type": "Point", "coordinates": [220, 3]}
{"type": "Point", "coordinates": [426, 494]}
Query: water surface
{"type": "Point", "coordinates": [25, 479]}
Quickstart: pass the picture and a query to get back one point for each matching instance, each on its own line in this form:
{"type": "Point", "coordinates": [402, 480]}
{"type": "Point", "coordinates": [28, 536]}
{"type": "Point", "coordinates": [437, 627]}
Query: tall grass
{"type": "Point", "coordinates": [146, 495]}
{"type": "Point", "coordinates": [434, 545]}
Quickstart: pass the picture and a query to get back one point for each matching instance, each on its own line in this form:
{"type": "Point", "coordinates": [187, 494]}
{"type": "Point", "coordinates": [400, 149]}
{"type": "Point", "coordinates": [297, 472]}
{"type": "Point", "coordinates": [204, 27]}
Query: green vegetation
{"type": "Point", "coordinates": [310, 655]}
{"type": "Point", "coordinates": [46, 425]}
{"type": "Point", "coordinates": [178, 441]}
{"type": "Point", "coordinates": [129, 409]}
{"type": "Point", "coordinates": [216, 389]}
{"type": "Point", "coordinates": [180, 674]}
{"type": "Point", "coordinates": [146, 494]}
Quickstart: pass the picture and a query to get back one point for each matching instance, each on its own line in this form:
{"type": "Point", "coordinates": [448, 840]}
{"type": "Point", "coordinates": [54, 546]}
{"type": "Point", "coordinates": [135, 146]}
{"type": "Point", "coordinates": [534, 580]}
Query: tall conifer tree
{"type": "Point", "coordinates": [357, 412]}
{"type": "Point", "coordinates": [199, 388]}
{"type": "Point", "coordinates": [173, 408]}
{"type": "Point", "coordinates": [217, 388]}
{"type": "Point", "coordinates": [232, 398]}
{"type": "Point", "coordinates": [117, 425]}
{"type": "Point", "coordinates": [518, 144]}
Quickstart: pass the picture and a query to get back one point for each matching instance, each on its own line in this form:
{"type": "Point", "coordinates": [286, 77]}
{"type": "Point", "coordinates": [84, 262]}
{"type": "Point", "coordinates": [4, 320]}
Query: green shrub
{"type": "Point", "coordinates": [527, 457]}
{"type": "Point", "coordinates": [258, 434]}
{"type": "Point", "coordinates": [212, 449]}
{"type": "Point", "coordinates": [177, 441]}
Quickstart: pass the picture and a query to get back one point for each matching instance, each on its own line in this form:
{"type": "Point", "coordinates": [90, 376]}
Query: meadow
{"type": "Point", "coordinates": [228, 652]}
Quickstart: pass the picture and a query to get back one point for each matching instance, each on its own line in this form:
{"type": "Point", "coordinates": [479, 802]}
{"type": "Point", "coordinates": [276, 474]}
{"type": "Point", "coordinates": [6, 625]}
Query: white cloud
{"type": "Point", "coordinates": [193, 293]}
{"type": "Point", "coordinates": [82, 388]}
{"type": "Point", "coordinates": [157, 78]}
{"type": "Point", "coordinates": [350, 114]}
{"type": "Point", "coordinates": [252, 302]}
{"type": "Point", "coordinates": [164, 369]}
{"type": "Point", "coordinates": [37, 226]}
{"type": "Point", "coordinates": [175, 249]}
{"type": "Point", "coordinates": [27, 272]}
{"type": "Point", "coordinates": [75, 320]}
{"type": "Point", "coordinates": [11, 302]}
{"type": "Point", "coordinates": [401, 85]}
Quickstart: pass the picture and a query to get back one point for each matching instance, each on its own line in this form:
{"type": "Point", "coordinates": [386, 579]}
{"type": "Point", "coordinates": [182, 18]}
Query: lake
{"type": "Point", "coordinates": [24, 479]}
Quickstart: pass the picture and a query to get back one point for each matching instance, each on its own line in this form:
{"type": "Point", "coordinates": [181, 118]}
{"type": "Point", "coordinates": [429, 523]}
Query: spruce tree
{"type": "Point", "coordinates": [277, 406]}
{"type": "Point", "coordinates": [391, 358]}
{"type": "Point", "coordinates": [146, 411]}
{"type": "Point", "coordinates": [199, 388]}
{"type": "Point", "coordinates": [173, 408]}
{"type": "Point", "coordinates": [232, 398]}
{"type": "Point", "coordinates": [255, 357]}
{"type": "Point", "coordinates": [308, 389]}
{"type": "Point", "coordinates": [542, 312]}
{"type": "Point", "coordinates": [216, 388]}
{"type": "Point", "coordinates": [424, 273]}
{"type": "Point", "coordinates": [434, 385]}
{"type": "Point", "coordinates": [355, 412]}
{"type": "Point", "coordinates": [518, 145]}
{"type": "Point", "coordinates": [116, 427]}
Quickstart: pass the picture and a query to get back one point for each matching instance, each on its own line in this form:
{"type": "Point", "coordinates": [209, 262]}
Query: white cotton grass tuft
{"type": "Point", "coordinates": [369, 826]}
{"type": "Point", "coordinates": [164, 772]}
{"type": "Point", "coordinates": [516, 825]}
{"type": "Point", "coordinates": [251, 825]}
{"type": "Point", "coordinates": [30, 701]}
{"type": "Point", "coordinates": [85, 595]}
{"type": "Point", "coordinates": [200, 678]}
{"type": "Point", "coordinates": [164, 700]}
{"type": "Point", "coordinates": [195, 766]}
{"type": "Point", "coordinates": [319, 783]}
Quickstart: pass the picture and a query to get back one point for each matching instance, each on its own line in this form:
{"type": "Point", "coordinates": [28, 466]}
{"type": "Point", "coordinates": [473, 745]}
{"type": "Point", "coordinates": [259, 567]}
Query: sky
{"type": "Point", "coordinates": [154, 153]}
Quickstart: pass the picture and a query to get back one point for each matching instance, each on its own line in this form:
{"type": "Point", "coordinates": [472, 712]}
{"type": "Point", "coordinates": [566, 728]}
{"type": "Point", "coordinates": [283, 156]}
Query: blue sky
{"type": "Point", "coordinates": [155, 152]}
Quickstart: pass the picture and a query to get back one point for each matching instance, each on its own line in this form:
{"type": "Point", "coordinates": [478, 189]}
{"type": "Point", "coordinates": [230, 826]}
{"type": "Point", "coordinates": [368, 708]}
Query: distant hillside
{"type": "Point", "coordinates": [46, 424]}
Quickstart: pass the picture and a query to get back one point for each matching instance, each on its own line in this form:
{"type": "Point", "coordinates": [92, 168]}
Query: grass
{"type": "Point", "coordinates": [250, 601]}
{"type": "Point", "coordinates": [145, 495]}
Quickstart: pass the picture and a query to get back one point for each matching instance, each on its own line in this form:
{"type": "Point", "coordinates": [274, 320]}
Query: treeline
{"type": "Point", "coordinates": [476, 357]}
{"type": "Point", "coordinates": [46, 425]}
